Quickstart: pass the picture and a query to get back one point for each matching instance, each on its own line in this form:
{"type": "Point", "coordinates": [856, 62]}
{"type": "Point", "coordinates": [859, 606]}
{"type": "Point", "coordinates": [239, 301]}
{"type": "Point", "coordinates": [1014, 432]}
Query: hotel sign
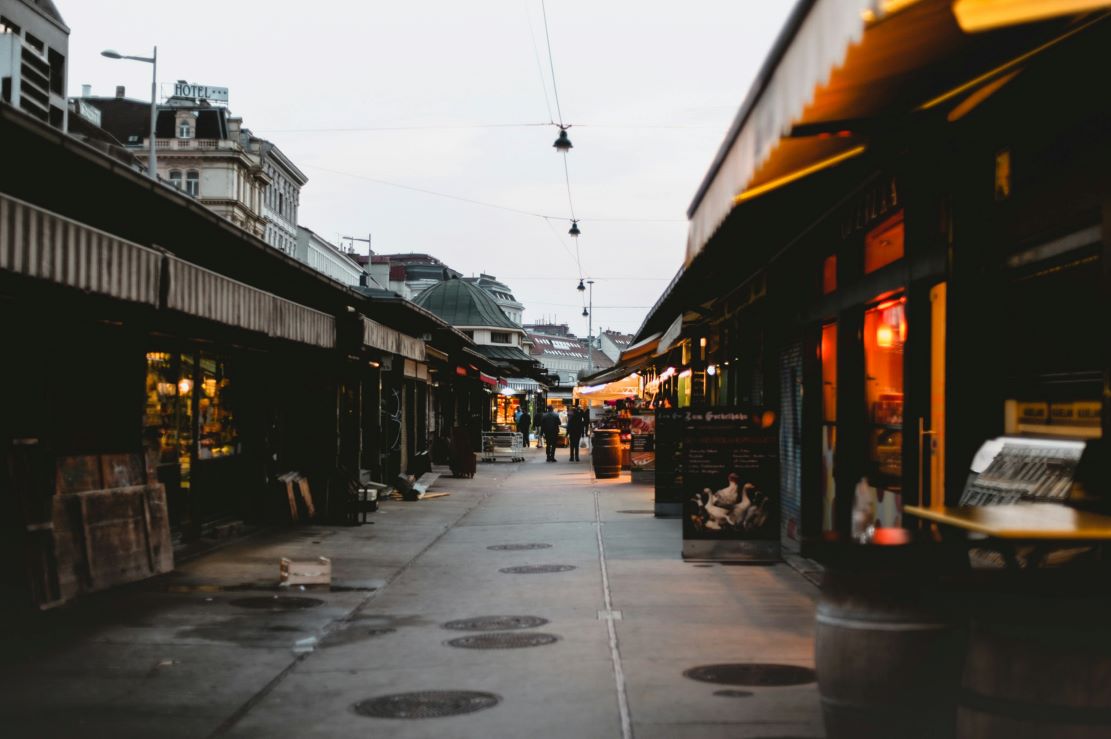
{"type": "Point", "coordinates": [183, 89]}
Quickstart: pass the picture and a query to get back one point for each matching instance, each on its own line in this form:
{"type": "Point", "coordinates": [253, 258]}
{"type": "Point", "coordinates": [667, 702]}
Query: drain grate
{"type": "Point", "coordinates": [518, 547]}
{"type": "Point", "coordinates": [535, 569]}
{"type": "Point", "coordinates": [503, 640]}
{"type": "Point", "coordinates": [426, 704]}
{"type": "Point", "coordinates": [495, 623]}
{"type": "Point", "coordinates": [734, 693]}
{"type": "Point", "coordinates": [752, 674]}
{"type": "Point", "coordinates": [277, 603]}
{"type": "Point", "coordinates": [640, 511]}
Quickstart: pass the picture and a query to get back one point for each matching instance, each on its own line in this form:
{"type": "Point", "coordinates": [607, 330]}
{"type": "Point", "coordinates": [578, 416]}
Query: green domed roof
{"type": "Point", "coordinates": [461, 303]}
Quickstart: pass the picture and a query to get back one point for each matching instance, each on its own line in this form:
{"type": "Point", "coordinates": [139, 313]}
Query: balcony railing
{"type": "Point", "coordinates": [197, 144]}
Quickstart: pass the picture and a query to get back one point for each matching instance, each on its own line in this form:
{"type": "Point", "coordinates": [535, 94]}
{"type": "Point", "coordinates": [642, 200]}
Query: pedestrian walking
{"type": "Point", "coordinates": [524, 424]}
{"type": "Point", "coordinates": [549, 426]}
{"type": "Point", "coordinates": [576, 427]}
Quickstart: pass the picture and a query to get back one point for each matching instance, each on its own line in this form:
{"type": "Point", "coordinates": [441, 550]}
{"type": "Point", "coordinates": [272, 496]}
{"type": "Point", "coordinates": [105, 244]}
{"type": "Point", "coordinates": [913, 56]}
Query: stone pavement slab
{"type": "Point", "coordinates": [179, 657]}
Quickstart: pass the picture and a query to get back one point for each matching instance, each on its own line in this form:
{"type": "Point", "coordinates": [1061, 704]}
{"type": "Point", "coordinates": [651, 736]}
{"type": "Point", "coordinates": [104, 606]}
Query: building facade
{"type": "Point", "coordinates": [502, 295]}
{"type": "Point", "coordinates": [34, 44]}
{"type": "Point", "coordinates": [409, 275]}
{"type": "Point", "coordinates": [612, 343]}
{"type": "Point", "coordinates": [318, 253]}
{"type": "Point", "coordinates": [281, 197]}
{"type": "Point", "coordinates": [200, 152]}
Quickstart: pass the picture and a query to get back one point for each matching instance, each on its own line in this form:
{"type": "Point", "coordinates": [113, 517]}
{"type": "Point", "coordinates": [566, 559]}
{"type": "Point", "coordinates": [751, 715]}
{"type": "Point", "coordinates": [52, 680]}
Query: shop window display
{"type": "Point", "coordinates": [218, 433]}
{"type": "Point", "coordinates": [188, 401]}
{"type": "Point", "coordinates": [879, 495]}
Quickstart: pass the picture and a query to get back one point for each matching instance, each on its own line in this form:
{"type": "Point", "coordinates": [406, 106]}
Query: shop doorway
{"type": "Point", "coordinates": [931, 430]}
{"type": "Point", "coordinates": [879, 494]}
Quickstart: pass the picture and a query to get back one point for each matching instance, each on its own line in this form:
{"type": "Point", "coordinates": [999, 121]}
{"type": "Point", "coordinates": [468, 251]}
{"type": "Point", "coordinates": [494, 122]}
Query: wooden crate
{"type": "Point", "coordinates": [305, 571]}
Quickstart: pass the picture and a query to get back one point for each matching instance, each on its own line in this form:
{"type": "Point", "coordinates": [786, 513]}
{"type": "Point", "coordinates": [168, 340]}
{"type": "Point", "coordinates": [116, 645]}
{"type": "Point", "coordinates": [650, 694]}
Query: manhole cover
{"type": "Point", "coordinates": [642, 511]}
{"type": "Point", "coordinates": [278, 603]}
{"type": "Point", "coordinates": [734, 693]}
{"type": "Point", "coordinates": [535, 569]}
{"type": "Point", "coordinates": [495, 623]}
{"type": "Point", "coordinates": [752, 674]}
{"type": "Point", "coordinates": [503, 640]}
{"type": "Point", "coordinates": [518, 547]}
{"type": "Point", "coordinates": [426, 704]}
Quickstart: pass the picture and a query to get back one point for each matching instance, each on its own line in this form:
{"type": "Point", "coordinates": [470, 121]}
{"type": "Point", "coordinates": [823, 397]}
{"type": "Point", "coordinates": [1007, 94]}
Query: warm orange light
{"type": "Point", "coordinates": [983, 15]}
{"type": "Point", "coordinates": [885, 336]}
{"type": "Point", "coordinates": [185, 386]}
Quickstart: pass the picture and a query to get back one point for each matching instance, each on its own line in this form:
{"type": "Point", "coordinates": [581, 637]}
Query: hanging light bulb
{"type": "Point", "coordinates": [585, 312]}
{"type": "Point", "coordinates": [581, 287]}
{"type": "Point", "coordinates": [575, 229]}
{"type": "Point", "coordinates": [563, 143]}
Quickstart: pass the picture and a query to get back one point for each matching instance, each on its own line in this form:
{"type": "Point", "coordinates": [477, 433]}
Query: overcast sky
{"type": "Point", "coordinates": [649, 88]}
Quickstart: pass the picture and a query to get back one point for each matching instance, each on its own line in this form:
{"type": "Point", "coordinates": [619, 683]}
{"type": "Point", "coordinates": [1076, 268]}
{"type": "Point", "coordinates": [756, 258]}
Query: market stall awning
{"type": "Point", "coordinates": [599, 392]}
{"type": "Point", "coordinates": [844, 69]}
{"type": "Point", "coordinates": [200, 292]}
{"type": "Point", "coordinates": [42, 245]}
{"type": "Point", "coordinates": [524, 384]}
{"type": "Point", "coordinates": [643, 348]}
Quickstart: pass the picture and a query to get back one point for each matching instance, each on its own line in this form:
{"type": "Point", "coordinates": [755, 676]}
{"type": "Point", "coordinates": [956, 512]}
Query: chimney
{"type": "Point", "coordinates": [86, 91]}
{"type": "Point", "coordinates": [120, 92]}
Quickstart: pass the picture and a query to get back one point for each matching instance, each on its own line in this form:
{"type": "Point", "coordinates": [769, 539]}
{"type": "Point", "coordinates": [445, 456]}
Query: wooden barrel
{"type": "Point", "coordinates": [888, 656]}
{"type": "Point", "coordinates": [1038, 667]}
{"type": "Point", "coordinates": [606, 453]}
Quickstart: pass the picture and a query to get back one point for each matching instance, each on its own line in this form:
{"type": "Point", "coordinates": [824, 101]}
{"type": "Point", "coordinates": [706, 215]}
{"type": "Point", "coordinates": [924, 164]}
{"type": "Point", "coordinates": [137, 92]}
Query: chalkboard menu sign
{"type": "Point", "coordinates": [730, 484]}
{"type": "Point", "coordinates": [669, 463]}
{"type": "Point", "coordinates": [642, 446]}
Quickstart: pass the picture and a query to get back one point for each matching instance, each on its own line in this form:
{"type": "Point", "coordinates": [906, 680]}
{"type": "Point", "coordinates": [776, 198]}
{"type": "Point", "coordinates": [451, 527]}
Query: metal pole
{"type": "Point", "coordinates": [152, 160]}
{"type": "Point", "coordinates": [590, 327]}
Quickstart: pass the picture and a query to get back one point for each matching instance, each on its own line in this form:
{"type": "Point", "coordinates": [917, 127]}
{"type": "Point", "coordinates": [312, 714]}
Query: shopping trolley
{"type": "Point", "coordinates": [502, 445]}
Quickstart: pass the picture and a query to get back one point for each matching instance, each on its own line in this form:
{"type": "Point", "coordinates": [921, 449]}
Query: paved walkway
{"type": "Point", "coordinates": [182, 657]}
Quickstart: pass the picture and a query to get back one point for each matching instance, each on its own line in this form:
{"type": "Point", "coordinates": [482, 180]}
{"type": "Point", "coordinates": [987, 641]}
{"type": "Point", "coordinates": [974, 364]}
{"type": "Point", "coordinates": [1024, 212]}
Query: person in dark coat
{"type": "Point", "coordinates": [549, 426]}
{"type": "Point", "coordinates": [524, 425]}
{"type": "Point", "coordinates": [576, 427]}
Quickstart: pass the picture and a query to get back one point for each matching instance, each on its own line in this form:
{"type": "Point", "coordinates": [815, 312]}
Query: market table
{"type": "Point", "coordinates": [1025, 521]}
{"type": "Point", "coordinates": [1033, 634]}
{"type": "Point", "coordinates": [1041, 524]}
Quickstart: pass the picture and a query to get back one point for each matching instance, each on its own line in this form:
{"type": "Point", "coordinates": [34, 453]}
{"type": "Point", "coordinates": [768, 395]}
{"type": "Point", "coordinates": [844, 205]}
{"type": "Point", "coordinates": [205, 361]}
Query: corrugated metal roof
{"type": "Point", "coordinates": [507, 353]}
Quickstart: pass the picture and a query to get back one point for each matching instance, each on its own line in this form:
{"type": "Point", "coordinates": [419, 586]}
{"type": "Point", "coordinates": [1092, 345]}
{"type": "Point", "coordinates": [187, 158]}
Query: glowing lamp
{"type": "Point", "coordinates": [885, 336]}
{"type": "Point", "coordinates": [185, 386]}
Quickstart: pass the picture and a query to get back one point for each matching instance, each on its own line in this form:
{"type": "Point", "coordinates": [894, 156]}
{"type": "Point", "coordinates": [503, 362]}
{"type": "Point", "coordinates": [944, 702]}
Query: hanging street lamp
{"type": "Point", "coordinates": [574, 230]}
{"type": "Point", "coordinates": [581, 288]}
{"type": "Point", "coordinates": [563, 144]}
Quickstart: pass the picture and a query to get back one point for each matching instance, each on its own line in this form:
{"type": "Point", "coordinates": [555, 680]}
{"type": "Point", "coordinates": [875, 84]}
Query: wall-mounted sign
{"type": "Point", "coordinates": [872, 205]}
{"type": "Point", "coordinates": [183, 89]}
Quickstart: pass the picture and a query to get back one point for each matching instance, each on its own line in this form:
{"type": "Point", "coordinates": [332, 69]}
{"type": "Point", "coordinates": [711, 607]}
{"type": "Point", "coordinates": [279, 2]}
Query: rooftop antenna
{"type": "Point", "coordinates": [369, 248]}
